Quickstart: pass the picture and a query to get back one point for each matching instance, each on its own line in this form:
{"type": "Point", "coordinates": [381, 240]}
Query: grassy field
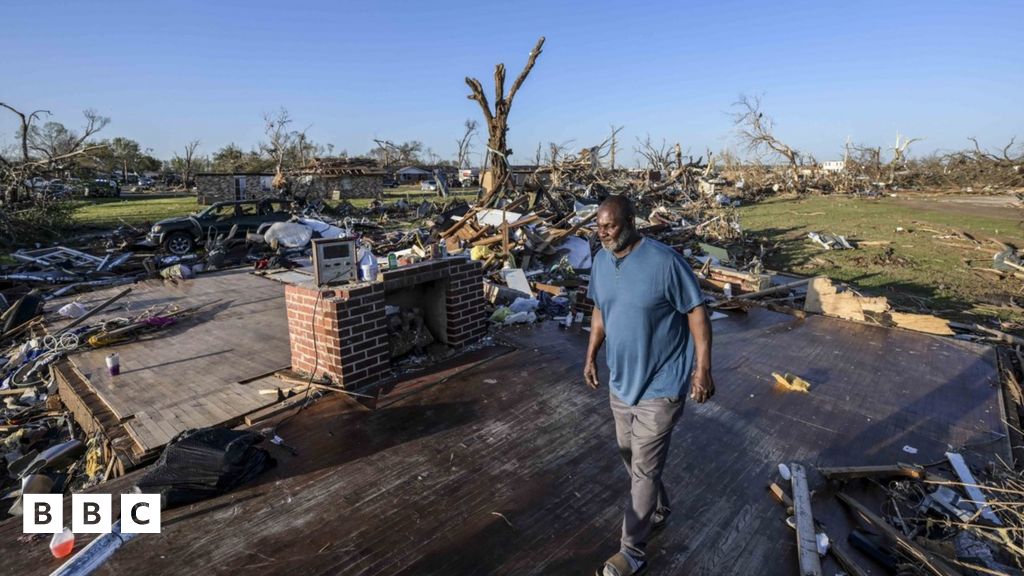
{"type": "Point", "coordinates": [136, 210]}
{"type": "Point", "coordinates": [926, 264]}
{"type": "Point", "coordinates": [112, 212]}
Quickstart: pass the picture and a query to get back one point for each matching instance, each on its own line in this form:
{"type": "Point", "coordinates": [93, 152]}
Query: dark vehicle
{"type": "Point", "coordinates": [182, 234]}
{"type": "Point", "coordinates": [100, 188]}
{"type": "Point", "coordinates": [390, 183]}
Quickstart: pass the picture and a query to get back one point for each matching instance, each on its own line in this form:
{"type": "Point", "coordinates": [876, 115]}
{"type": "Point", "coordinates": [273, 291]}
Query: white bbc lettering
{"type": "Point", "coordinates": [140, 513]}
{"type": "Point", "coordinates": [91, 513]}
{"type": "Point", "coordinates": [42, 513]}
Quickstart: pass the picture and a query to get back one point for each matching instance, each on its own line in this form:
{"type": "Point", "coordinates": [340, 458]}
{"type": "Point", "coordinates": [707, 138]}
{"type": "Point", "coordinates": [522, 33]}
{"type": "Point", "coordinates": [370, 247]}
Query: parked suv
{"type": "Point", "coordinates": [101, 187]}
{"type": "Point", "coordinates": [182, 234]}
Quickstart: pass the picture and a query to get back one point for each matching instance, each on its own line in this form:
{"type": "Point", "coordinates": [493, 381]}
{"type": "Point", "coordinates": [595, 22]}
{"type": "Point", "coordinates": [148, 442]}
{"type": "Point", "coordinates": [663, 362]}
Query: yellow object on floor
{"type": "Point", "coordinates": [792, 382]}
{"type": "Point", "coordinates": [479, 253]}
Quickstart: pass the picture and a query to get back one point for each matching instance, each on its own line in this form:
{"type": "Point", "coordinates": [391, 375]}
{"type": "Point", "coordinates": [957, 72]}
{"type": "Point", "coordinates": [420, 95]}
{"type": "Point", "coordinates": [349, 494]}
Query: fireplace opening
{"type": "Point", "coordinates": [417, 320]}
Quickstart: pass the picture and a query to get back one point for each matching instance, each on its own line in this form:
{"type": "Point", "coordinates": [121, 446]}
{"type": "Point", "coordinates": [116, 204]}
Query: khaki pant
{"type": "Point", "coordinates": [643, 433]}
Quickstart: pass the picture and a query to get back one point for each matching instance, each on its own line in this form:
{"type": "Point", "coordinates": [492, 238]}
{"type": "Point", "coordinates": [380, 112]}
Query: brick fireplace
{"type": "Point", "coordinates": [341, 332]}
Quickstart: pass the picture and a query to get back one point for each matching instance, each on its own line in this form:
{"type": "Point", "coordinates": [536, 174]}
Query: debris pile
{"type": "Point", "coordinates": [945, 518]}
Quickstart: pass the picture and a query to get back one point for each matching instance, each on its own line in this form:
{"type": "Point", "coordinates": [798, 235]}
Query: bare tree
{"type": "Point", "coordinates": [465, 143]}
{"type": "Point", "coordinates": [385, 153]}
{"type": "Point", "coordinates": [899, 155]}
{"type": "Point", "coordinates": [187, 160]}
{"type": "Point", "coordinates": [279, 140]}
{"type": "Point", "coordinates": [67, 145]}
{"type": "Point", "coordinates": [497, 120]}
{"type": "Point", "coordinates": [1003, 158]}
{"type": "Point", "coordinates": [25, 130]}
{"type": "Point", "coordinates": [658, 157]}
{"type": "Point", "coordinates": [756, 132]}
{"type": "Point", "coordinates": [614, 145]}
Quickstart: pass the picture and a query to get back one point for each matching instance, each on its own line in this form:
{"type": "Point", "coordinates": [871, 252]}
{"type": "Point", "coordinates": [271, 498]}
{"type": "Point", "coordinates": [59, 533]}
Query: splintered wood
{"type": "Point", "coordinates": [823, 297]}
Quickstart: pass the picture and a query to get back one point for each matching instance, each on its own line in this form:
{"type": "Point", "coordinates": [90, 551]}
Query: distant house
{"type": "Point", "coordinates": [340, 178]}
{"type": "Point", "coordinates": [413, 174]}
{"type": "Point", "coordinates": [834, 166]}
{"type": "Point", "coordinates": [325, 178]}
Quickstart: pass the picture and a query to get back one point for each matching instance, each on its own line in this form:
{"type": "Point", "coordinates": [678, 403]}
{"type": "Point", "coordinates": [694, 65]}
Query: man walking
{"type": "Point", "coordinates": [650, 310]}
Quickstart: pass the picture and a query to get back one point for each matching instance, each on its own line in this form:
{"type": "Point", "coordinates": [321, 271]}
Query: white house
{"type": "Point", "coordinates": [413, 174]}
{"type": "Point", "coordinates": [834, 166]}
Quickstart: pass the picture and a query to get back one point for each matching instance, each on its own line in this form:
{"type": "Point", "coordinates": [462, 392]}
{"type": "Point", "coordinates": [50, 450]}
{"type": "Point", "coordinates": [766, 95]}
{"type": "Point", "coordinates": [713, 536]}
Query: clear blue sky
{"type": "Point", "coordinates": [169, 72]}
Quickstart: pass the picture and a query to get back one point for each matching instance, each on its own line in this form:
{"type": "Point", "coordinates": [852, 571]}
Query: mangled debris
{"type": "Point", "coordinates": [943, 519]}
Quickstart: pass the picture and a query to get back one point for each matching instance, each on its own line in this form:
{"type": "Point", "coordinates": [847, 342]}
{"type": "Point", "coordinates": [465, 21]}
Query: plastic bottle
{"type": "Point", "coordinates": [62, 543]}
{"type": "Point", "coordinates": [392, 261]}
{"type": "Point", "coordinates": [368, 266]}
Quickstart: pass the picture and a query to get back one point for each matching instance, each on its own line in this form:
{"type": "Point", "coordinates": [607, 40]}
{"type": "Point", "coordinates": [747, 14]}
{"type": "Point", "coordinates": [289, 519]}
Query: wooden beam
{"type": "Point", "coordinates": [848, 472]}
{"type": "Point", "coordinates": [930, 561]}
{"type": "Point", "coordinates": [806, 541]}
{"type": "Point", "coordinates": [845, 560]}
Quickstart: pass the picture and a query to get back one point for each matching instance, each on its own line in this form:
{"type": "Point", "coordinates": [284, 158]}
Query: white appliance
{"type": "Point", "coordinates": [334, 261]}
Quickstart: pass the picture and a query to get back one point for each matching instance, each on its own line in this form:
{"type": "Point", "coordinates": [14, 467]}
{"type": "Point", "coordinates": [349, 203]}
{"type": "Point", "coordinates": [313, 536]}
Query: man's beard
{"type": "Point", "coordinates": [618, 244]}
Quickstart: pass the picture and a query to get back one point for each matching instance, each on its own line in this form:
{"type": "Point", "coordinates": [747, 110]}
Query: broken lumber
{"type": "Point", "coordinates": [849, 472]}
{"type": "Point", "coordinates": [971, 486]}
{"type": "Point", "coordinates": [741, 281]}
{"type": "Point", "coordinates": [806, 539]}
{"type": "Point", "coordinates": [845, 561]}
{"type": "Point", "coordinates": [996, 334]}
{"type": "Point", "coordinates": [823, 297]}
{"type": "Point", "coordinates": [935, 564]}
{"type": "Point", "coordinates": [922, 323]}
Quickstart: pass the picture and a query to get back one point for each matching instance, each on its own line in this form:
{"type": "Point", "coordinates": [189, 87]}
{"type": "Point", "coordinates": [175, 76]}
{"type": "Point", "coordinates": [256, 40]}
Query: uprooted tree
{"type": "Point", "coordinates": [497, 122]}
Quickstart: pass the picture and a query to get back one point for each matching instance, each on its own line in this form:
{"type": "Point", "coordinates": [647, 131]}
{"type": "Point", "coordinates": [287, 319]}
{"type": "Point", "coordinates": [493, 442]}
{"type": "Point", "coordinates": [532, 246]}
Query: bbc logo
{"type": "Point", "coordinates": [91, 513]}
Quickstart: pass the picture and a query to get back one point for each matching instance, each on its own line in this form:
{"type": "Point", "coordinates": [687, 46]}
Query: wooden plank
{"type": "Point", "coordinates": [253, 418]}
{"type": "Point", "coordinates": [930, 561]}
{"type": "Point", "coordinates": [806, 541]}
{"type": "Point", "coordinates": [848, 472]}
{"type": "Point", "coordinates": [845, 560]}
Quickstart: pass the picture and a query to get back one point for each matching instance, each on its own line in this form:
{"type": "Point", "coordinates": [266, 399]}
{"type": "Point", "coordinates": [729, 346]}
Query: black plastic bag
{"type": "Point", "coordinates": [203, 463]}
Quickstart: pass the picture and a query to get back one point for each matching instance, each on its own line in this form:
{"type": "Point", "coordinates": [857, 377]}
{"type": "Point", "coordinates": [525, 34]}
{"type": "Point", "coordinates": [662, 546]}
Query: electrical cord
{"type": "Point", "coordinates": [312, 375]}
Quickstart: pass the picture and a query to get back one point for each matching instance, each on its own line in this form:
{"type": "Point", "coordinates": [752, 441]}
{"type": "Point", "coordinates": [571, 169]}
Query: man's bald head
{"type": "Point", "coordinates": [616, 223]}
{"type": "Point", "coordinates": [621, 209]}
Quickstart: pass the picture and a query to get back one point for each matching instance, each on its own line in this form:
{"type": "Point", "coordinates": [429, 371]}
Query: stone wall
{"type": "Point", "coordinates": [221, 187]}
{"type": "Point", "coordinates": [341, 187]}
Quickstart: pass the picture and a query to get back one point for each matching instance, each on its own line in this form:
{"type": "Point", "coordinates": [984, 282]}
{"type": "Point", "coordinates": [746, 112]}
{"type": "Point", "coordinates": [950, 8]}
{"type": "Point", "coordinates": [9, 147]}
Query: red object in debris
{"type": "Point", "coordinates": [62, 543]}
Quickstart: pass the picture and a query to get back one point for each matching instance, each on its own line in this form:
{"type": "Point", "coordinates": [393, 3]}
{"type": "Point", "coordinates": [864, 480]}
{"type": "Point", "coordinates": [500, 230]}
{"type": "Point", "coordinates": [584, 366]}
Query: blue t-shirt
{"type": "Point", "coordinates": [644, 301]}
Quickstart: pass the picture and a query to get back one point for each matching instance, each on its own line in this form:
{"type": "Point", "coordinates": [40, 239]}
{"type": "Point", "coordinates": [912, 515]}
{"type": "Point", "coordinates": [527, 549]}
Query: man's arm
{"type": "Point", "coordinates": [596, 340]}
{"type": "Point", "coordinates": [702, 388]}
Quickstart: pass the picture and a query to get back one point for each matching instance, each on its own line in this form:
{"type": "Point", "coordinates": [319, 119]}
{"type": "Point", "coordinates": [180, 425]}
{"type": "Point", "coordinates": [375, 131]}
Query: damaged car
{"type": "Point", "coordinates": [181, 235]}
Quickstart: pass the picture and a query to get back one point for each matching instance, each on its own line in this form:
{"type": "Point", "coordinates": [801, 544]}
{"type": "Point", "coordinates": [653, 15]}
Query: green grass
{"type": "Point", "coordinates": [917, 267]}
{"type": "Point", "coordinates": [112, 212]}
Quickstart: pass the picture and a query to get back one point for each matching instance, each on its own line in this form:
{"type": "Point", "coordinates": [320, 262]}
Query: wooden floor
{"type": "Point", "coordinates": [510, 467]}
{"type": "Point", "coordinates": [185, 376]}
